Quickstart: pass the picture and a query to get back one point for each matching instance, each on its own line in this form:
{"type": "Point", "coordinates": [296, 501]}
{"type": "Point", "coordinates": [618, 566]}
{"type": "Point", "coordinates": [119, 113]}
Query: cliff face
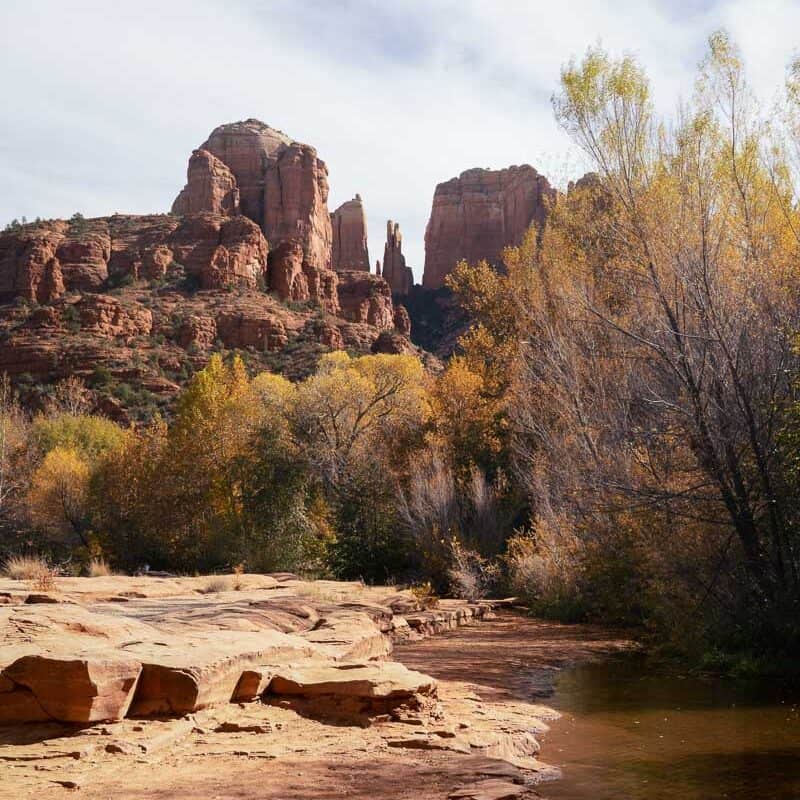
{"type": "Point", "coordinates": [395, 272]}
{"type": "Point", "coordinates": [134, 305]}
{"type": "Point", "coordinates": [349, 224]}
{"type": "Point", "coordinates": [282, 185]}
{"type": "Point", "coordinates": [479, 213]}
{"type": "Point", "coordinates": [40, 263]}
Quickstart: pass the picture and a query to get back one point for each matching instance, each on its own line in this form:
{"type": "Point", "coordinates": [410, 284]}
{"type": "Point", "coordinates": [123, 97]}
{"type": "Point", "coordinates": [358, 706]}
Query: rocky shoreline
{"type": "Point", "coordinates": [107, 675]}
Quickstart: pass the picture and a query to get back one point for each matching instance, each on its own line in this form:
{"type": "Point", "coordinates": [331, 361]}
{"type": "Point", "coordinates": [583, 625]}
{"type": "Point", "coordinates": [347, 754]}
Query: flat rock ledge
{"type": "Point", "coordinates": [105, 649]}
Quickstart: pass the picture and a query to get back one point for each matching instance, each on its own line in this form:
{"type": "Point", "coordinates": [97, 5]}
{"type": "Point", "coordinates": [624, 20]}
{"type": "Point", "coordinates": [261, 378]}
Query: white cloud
{"type": "Point", "coordinates": [102, 106]}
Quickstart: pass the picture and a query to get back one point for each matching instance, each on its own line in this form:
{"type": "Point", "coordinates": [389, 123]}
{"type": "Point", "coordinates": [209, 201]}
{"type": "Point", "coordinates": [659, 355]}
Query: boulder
{"type": "Point", "coordinates": [88, 689]}
{"type": "Point", "coordinates": [387, 681]}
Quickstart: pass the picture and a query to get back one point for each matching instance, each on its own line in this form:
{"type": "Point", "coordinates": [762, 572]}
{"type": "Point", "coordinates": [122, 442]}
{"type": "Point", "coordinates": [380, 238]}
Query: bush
{"type": "Point", "coordinates": [472, 577]}
{"type": "Point", "coordinates": [25, 568]}
{"type": "Point", "coordinates": [217, 583]}
{"type": "Point", "coordinates": [98, 568]}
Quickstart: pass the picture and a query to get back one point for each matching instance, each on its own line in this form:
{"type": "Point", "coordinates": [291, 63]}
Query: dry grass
{"type": "Point", "coordinates": [217, 583]}
{"type": "Point", "coordinates": [99, 568]}
{"type": "Point", "coordinates": [334, 592]}
{"type": "Point", "coordinates": [45, 581]}
{"type": "Point", "coordinates": [238, 571]}
{"type": "Point", "coordinates": [25, 568]}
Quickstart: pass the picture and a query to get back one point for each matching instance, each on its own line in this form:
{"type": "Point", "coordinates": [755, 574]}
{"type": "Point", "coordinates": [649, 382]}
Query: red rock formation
{"type": "Point", "coordinates": [392, 343]}
{"type": "Point", "coordinates": [210, 186]}
{"type": "Point", "coordinates": [294, 279]}
{"type": "Point", "coordinates": [349, 225]}
{"type": "Point", "coordinates": [198, 332]}
{"type": "Point", "coordinates": [395, 272]}
{"type": "Point", "coordinates": [106, 316]}
{"type": "Point", "coordinates": [282, 187]}
{"type": "Point", "coordinates": [241, 330]}
{"type": "Point", "coordinates": [402, 321]}
{"type": "Point", "coordinates": [28, 266]}
{"type": "Point", "coordinates": [479, 213]}
{"type": "Point", "coordinates": [41, 262]}
{"type": "Point", "coordinates": [366, 298]}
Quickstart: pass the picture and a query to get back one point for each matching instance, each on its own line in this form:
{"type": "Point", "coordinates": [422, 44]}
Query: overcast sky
{"type": "Point", "coordinates": [101, 106]}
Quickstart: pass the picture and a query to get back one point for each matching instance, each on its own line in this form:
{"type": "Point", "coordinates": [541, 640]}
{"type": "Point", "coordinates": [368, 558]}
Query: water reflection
{"type": "Point", "coordinates": [630, 732]}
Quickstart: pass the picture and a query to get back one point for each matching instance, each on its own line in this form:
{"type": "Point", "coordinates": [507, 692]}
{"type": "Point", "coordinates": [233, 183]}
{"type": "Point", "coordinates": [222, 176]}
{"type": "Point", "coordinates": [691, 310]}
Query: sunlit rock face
{"type": "Point", "coordinates": [477, 214]}
{"type": "Point", "coordinates": [282, 186]}
{"type": "Point", "coordinates": [349, 227]}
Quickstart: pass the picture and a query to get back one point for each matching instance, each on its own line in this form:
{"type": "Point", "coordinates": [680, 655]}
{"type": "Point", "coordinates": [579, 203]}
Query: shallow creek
{"type": "Point", "coordinates": [627, 731]}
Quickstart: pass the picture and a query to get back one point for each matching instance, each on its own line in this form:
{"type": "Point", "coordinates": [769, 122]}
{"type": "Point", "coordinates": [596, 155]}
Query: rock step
{"type": "Point", "coordinates": [175, 656]}
{"type": "Point", "coordinates": [389, 680]}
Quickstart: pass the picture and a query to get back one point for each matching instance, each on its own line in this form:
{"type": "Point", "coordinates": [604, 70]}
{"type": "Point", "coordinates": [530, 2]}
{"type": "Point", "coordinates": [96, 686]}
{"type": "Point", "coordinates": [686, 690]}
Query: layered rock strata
{"type": "Point", "coordinates": [40, 263]}
{"type": "Point", "coordinates": [349, 227]}
{"type": "Point", "coordinates": [477, 214]}
{"type": "Point", "coordinates": [282, 185]}
{"type": "Point", "coordinates": [395, 272]}
{"type": "Point", "coordinates": [105, 649]}
{"type": "Point", "coordinates": [366, 298]}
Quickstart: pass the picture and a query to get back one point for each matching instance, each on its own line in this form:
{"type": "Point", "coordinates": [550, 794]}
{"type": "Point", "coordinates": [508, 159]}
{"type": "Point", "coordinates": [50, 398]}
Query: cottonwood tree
{"type": "Point", "coordinates": [358, 421]}
{"type": "Point", "coordinates": [13, 438]}
{"type": "Point", "coordinates": [659, 317]}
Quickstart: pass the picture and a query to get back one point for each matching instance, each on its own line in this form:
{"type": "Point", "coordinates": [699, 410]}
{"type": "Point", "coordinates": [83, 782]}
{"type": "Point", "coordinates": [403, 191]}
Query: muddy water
{"type": "Point", "coordinates": [629, 731]}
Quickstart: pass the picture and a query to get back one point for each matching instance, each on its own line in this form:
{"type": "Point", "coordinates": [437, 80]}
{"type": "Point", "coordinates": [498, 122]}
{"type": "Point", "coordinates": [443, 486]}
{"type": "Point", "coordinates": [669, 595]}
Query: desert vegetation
{"type": "Point", "coordinates": [352, 472]}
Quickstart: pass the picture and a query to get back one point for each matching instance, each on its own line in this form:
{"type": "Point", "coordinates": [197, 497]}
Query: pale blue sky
{"type": "Point", "coordinates": [102, 106]}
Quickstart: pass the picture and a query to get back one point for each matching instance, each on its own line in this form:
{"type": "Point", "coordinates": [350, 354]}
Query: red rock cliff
{"type": "Point", "coordinates": [479, 213]}
{"type": "Point", "coordinates": [42, 262]}
{"type": "Point", "coordinates": [395, 271]}
{"type": "Point", "coordinates": [210, 186]}
{"type": "Point", "coordinates": [349, 225]}
{"type": "Point", "coordinates": [282, 185]}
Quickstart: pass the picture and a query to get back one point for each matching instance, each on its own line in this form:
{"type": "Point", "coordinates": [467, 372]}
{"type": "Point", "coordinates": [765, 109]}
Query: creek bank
{"type": "Point", "coordinates": [275, 669]}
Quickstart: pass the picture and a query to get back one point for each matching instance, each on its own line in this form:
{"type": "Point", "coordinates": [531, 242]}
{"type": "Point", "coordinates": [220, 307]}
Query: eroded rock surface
{"type": "Point", "coordinates": [477, 214]}
{"type": "Point", "coordinates": [163, 647]}
{"type": "Point", "coordinates": [457, 722]}
{"type": "Point", "coordinates": [349, 224]}
{"type": "Point", "coordinates": [366, 298]}
{"type": "Point", "coordinates": [282, 185]}
{"type": "Point", "coordinates": [41, 262]}
{"type": "Point", "coordinates": [210, 186]}
{"type": "Point", "coordinates": [395, 272]}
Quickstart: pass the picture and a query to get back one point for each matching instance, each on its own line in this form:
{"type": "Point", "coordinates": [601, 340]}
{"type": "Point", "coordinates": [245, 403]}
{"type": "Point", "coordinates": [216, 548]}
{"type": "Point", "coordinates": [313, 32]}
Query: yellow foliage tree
{"type": "Point", "coordinates": [465, 421]}
{"type": "Point", "coordinates": [57, 497]}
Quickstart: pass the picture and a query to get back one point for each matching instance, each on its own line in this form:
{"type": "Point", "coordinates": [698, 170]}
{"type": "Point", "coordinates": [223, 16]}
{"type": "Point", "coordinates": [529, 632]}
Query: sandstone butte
{"type": "Point", "coordinates": [243, 261]}
{"type": "Point", "coordinates": [349, 224]}
{"type": "Point", "coordinates": [477, 214]}
{"type": "Point", "coordinates": [99, 675]}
